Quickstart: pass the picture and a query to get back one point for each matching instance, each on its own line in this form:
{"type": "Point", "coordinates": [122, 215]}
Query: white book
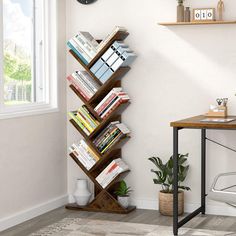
{"type": "Point", "coordinates": [87, 82]}
{"type": "Point", "coordinates": [80, 50]}
{"type": "Point", "coordinates": [86, 37]}
{"type": "Point", "coordinates": [123, 128]}
{"type": "Point", "coordinates": [83, 86]}
{"type": "Point", "coordinates": [103, 174]}
{"type": "Point", "coordinates": [86, 148]}
{"type": "Point", "coordinates": [110, 177]}
{"type": "Point", "coordinates": [91, 80]}
{"type": "Point", "coordinates": [86, 48]}
{"type": "Point", "coordinates": [114, 90]}
{"type": "Point", "coordinates": [110, 36]}
{"type": "Point", "coordinates": [78, 154]}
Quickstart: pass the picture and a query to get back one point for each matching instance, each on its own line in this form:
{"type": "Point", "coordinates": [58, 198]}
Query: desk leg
{"type": "Point", "coordinates": [203, 171]}
{"type": "Point", "coordinates": [175, 200]}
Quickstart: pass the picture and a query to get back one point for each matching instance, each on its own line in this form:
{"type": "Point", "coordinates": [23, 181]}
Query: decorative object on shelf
{"type": "Point", "coordinates": [86, 1]}
{"type": "Point", "coordinates": [220, 9]}
{"type": "Point", "coordinates": [204, 14]}
{"type": "Point", "coordinates": [164, 177]}
{"type": "Point", "coordinates": [219, 110]}
{"type": "Point", "coordinates": [92, 154]}
{"type": "Point", "coordinates": [187, 15]}
{"type": "Point", "coordinates": [122, 193]}
{"type": "Point", "coordinates": [180, 11]}
{"type": "Point", "coordinates": [82, 194]}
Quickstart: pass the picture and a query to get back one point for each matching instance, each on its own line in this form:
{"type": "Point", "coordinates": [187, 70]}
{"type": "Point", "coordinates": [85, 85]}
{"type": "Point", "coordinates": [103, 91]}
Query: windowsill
{"type": "Point", "coordinates": [30, 112]}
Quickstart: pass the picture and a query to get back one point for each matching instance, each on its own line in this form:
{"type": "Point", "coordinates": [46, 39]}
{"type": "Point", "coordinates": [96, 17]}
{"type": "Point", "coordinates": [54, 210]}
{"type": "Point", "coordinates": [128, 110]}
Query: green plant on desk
{"type": "Point", "coordinates": [165, 173]}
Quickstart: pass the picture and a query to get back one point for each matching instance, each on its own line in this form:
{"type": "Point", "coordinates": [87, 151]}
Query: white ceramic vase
{"type": "Point", "coordinates": [124, 201]}
{"type": "Point", "coordinates": [82, 194]}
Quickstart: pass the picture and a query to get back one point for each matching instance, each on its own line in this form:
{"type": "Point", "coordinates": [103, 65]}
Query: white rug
{"type": "Point", "coordinates": [86, 227]}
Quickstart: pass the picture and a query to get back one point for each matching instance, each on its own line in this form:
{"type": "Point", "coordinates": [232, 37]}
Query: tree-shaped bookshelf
{"type": "Point", "coordinates": [104, 199]}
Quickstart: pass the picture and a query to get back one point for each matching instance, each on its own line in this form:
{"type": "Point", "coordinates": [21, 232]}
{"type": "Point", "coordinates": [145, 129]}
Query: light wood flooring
{"type": "Point", "coordinates": [221, 223]}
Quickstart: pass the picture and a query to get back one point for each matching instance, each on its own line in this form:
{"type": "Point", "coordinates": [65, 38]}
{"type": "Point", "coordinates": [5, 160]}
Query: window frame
{"type": "Point", "coordinates": [49, 74]}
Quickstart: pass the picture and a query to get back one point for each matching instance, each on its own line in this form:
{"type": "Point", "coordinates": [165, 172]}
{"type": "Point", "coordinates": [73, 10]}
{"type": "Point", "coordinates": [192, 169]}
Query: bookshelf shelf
{"type": "Point", "coordinates": [104, 200]}
{"type": "Point", "coordinates": [197, 23]}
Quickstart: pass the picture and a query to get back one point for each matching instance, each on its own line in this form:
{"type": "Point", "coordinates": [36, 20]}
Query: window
{"type": "Point", "coordinates": [27, 48]}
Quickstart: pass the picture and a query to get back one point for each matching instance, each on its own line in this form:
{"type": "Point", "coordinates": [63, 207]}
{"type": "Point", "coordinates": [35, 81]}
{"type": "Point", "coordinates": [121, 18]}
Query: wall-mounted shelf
{"type": "Point", "coordinates": [197, 23]}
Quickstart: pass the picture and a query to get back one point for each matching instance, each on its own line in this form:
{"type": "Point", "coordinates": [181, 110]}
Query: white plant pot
{"type": "Point", "coordinates": [82, 194]}
{"type": "Point", "coordinates": [124, 201]}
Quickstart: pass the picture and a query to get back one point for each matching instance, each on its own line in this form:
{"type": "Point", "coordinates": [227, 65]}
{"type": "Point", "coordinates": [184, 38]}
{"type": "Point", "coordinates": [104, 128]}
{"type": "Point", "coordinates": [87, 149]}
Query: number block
{"type": "Point", "coordinates": [204, 14]}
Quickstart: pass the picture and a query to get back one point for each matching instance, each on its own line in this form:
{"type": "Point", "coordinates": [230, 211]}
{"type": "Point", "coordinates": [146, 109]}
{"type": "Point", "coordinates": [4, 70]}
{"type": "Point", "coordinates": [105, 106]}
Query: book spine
{"type": "Point", "coordinates": [114, 90]}
{"type": "Point", "coordinates": [85, 130]}
{"type": "Point", "coordinates": [91, 116]}
{"type": "Point", "coordinates": [111, 177]}
{"type": "Point", "coordinates": [89, 91]}
{"type": "Point", "coordinates": [90, 162]}
{"type": "Point", "coordinates": [103, 144]}
{"type": "Point", "coordinates": [103, 174]}
{"type": "Point", "coordinates": [80, 36]}
{"type": "Point", "coordinates": [79, 53]}
{"type": "Point", "coordinates": [106, 103]}
{"type": "Point", "coordinates": [83, 121]}
{"type": "Point", "coordinates": [112, 109]}
{"type": "Point", "coordinates": [91, 153]}
{"type": "Point", "coordinates": [87, 118]}
{"type": "Point", "coordinates": [85, 46]}
{"type": "Point", "coordinates": [112, 104]}
{"type": "Point", "coordinates": [71, 80]}
{"type": "Point", "coordinates": [108, 172]}
{"type": "Point", "coordinates": [112, 143]}
{"type": "Point", "coordinates": [86, 82]}
{"type": "Point", "coordinates": [93, 84]}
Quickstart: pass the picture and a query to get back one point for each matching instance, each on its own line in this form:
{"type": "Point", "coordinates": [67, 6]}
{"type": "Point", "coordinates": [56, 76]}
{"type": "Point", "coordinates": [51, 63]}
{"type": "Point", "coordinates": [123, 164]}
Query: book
{"type": "Point", "coordinates": [87, 38]}
{"type": "Point", "coordinates": [115, 90]}
{"type": "Point", "coordinates": [79, 52]}
{"type": "Point", "coordinates": [89, 79]}
{"type": "Point", "coordinates": [74, 117]}
{"type": "Point", "coordinates": [115, 168]}
{"type": "Point", "coordinates": [78, 88]}
{"type": "Point", "coordinates": [110, 36]}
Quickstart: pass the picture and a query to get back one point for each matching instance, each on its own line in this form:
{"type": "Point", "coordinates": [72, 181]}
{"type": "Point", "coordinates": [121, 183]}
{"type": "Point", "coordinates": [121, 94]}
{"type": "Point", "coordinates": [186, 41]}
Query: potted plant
{"type": "Point", "coordinates": [122, 193]}
{"type": "Point", "coordinates": [164, 177]}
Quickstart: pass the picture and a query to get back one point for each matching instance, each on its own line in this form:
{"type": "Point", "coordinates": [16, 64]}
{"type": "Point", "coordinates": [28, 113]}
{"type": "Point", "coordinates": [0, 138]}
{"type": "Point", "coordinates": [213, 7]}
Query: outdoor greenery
{"type": "Point", "coordinates": [16, 68]}
{"type": "Point", "coordinates": [123, 190]}
{"type": "Point", "coordinates": [164, 172]}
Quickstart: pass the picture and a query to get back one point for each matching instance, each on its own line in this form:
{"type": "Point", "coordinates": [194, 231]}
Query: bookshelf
{"type": "Point", "coordinates": [197, 23]}
{"type": "Point", "coordinates": [104, 198]}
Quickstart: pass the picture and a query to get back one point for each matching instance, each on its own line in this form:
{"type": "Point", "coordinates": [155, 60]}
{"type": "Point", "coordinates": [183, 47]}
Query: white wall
{"type": "Point", "coordinates": [178, 73]}
{"type": "Point", "coordinates": [33, 155]}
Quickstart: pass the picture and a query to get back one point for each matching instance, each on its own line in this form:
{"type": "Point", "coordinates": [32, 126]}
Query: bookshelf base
{"type": "Point", "coordinates": [74, 206]}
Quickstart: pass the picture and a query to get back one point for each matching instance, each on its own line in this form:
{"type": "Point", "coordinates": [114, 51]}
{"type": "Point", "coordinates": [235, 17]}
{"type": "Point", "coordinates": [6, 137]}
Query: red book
{"type": "Point", "coordinates": [71, 80]}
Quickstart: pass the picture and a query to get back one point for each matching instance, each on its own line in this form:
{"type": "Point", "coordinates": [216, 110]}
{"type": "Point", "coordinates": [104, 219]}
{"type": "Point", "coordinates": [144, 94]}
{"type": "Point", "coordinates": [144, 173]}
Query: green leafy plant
{"type": "Point", "coordinates": [164, 172]}
{"type": "Point", "coordinates": [123, 190]}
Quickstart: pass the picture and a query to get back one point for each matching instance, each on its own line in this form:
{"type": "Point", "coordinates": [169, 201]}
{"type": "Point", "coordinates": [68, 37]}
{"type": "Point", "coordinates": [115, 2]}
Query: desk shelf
{"type": "Point", "coordinates": [197, 23]}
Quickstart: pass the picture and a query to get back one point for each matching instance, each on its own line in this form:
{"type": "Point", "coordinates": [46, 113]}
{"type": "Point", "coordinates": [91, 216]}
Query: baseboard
{"type": "Point", "coordinates": [213, 209]}
{"type": "Point", "coordinates": [28, 214]}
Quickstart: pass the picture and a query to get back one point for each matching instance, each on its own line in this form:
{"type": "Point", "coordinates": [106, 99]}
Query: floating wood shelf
{"type": "Point", "coordinates": [104, 200]}
{"type": "Point", "coordinates": [197, 23]}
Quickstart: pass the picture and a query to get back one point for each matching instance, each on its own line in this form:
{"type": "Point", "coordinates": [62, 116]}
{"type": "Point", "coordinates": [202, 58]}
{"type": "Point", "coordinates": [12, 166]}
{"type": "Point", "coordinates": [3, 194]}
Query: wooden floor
{"type": "Point", "coordinates": [220, 223]}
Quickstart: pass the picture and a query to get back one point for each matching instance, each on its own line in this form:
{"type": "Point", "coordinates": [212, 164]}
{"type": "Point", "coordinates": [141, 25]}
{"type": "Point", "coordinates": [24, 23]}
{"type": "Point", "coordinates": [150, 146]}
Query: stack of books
{"type": "Point", "coordinates": [115, 168]}
{"type": "Point", "coordinates": [86, 47]}
{"type": "Point", "coordinates": [112, 100]}
{"type": "Point", "coordinates": [84, 83]}
{"type": "Point", "coordinates": [118, 55]}
{"type": "Point", "coordinates": [84, 154]}
{"type": "Point", "coordinates": [110, 136]}
{"type": "Point", "coordinates": [85, 119]}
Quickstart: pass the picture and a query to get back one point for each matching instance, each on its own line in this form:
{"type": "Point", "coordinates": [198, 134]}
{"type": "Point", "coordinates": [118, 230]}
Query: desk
{"type": "Point", "coordinates": [193, 123]}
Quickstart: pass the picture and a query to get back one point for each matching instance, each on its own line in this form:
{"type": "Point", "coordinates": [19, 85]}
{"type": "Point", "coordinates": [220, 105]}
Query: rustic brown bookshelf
{"type": "Point", "coordinates": [105, 199]}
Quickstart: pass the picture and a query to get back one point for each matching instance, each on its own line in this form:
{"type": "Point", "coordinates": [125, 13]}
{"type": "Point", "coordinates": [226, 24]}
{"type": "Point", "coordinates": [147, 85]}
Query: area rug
{"type": "Point", "coordinates": [87, 227]}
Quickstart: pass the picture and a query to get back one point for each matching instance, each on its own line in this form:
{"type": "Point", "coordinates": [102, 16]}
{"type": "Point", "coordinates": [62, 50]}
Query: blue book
{"type": "Point", "coordinates": [107, 75]}
{"type": "Point", "coordinates": [97, 66]}
{"type": "Point", "coordinates": [77, 53]}
{"type": "Point", "coordinates": [102, 70]}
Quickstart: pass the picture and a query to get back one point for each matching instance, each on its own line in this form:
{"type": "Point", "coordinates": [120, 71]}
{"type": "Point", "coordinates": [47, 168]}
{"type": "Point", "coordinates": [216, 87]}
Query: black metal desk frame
{"type": "Point", "coordinates": [202, 208]}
